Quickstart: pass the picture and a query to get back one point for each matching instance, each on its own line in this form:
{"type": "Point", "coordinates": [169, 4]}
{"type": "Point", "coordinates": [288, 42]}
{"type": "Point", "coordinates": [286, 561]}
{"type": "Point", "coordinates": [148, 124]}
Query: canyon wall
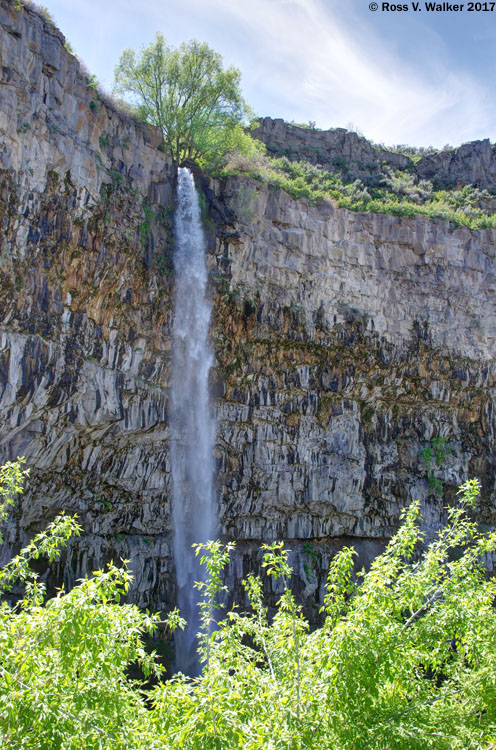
{"type": "Point", "coordinates": [339, 149]}
{"type": "Point", "coordinates": [355, 352]}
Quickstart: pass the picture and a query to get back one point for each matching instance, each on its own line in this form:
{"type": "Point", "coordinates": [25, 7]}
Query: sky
{"type": "Point", "coordinates": [414, 77]}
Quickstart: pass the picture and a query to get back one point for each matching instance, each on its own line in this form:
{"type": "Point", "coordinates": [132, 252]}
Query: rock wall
{"type": "Point", "coordinates": [339, 149]}
{"type": "Point", "coordinates": [334, 149]}
{"type": "Point", "coordinates": [349, 347]}
{"type": "Point", "coordinates": [471, 164]}
{"type": "Point", "coordinates": [86, 206]}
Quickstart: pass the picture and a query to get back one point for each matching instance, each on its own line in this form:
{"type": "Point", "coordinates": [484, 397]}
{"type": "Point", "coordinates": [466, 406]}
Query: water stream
{"type": "Point", "coordinates": [191, 420]}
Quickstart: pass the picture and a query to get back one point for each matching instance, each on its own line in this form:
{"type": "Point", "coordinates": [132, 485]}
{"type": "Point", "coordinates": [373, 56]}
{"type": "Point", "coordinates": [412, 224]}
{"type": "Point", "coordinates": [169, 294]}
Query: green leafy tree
{"type": "Point", "coordinates": [63, 672]}
{"type": "Point", "coordinates": [405, 658]}
{"type": "Point", "coordinates": [187, 93]}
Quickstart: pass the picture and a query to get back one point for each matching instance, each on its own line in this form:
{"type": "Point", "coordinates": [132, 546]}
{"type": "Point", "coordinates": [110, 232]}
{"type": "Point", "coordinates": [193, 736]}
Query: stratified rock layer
{"type": "Point", "coordinates": [354, 352]}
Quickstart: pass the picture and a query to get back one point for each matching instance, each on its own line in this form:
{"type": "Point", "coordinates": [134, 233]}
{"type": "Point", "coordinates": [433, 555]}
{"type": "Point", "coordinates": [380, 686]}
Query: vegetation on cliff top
{"type": "Point", "coordinates": [187, 93]}
{"type": "Point", "coordinates": [405, 657]}
{"type": "Point", "coordinates": [398, 193]}
{"type": "Point", "coordinates": [200, 109]}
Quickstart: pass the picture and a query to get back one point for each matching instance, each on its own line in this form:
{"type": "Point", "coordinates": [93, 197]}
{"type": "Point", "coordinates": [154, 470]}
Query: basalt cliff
{"type": "Point", "coordinates": [354, 352]}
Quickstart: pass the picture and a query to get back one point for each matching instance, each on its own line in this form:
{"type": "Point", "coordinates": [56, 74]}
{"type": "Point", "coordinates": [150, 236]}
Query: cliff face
{"type": "Point", "coordinates": [470, 164]}
{"type": "Point", "coordinates": [85, 305]}
{"type": "Point", "coordinates": [354, 352]}
{"type": "Point", "coordinates": [354, 346]}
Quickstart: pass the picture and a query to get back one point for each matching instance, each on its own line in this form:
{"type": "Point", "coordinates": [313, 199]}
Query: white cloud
{"type": "Point", "coordinates": [304, 60]}
{"type": "Point", "coordinates": [312, 66]}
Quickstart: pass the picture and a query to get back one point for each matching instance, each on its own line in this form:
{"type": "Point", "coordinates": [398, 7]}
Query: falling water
{"type": "Point", "coordinates": [192, 425]}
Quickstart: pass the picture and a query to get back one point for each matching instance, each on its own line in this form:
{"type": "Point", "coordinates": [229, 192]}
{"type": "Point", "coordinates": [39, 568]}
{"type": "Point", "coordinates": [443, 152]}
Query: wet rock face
{"type": "Point", "coordinates": [354, 352]}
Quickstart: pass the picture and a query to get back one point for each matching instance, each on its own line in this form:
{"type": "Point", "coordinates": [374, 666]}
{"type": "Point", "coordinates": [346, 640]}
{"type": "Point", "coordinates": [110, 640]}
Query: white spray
{"type": "Point", "coordinates": [191, 421]}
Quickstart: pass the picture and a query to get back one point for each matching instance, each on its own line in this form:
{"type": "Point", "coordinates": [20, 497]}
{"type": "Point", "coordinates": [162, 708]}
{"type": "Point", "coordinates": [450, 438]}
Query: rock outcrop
{"type": "Point", "coordinates": [355, 352]}
{"type": "Point", "coordinates": [333, 149]}
{"type": "Point", "coordinates": [471, 164]}
{"type": "Point", "coordinates": [338, 149]}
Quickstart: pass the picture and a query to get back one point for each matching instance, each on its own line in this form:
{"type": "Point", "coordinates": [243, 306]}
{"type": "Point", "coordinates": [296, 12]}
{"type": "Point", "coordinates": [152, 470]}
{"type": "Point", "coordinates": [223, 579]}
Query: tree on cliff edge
{"type": "Point", "coordinates": [187, 93]}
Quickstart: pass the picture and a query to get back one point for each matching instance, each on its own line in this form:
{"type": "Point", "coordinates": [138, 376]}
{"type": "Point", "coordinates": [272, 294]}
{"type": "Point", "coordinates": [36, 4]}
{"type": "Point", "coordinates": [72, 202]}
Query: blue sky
{"type": "Point", "coordinates": [422, 78]}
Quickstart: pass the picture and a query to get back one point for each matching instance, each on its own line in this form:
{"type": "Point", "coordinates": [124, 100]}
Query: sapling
{"type": "Point", "coordinates": [276, 565]}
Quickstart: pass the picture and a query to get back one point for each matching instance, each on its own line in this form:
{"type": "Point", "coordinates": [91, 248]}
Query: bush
{"type": "Point", "coordinates": [405, 658]}
{"type": "Point", "coordinates": [399, 193]}
{"type": "Point", "coordinates": [63, 680]}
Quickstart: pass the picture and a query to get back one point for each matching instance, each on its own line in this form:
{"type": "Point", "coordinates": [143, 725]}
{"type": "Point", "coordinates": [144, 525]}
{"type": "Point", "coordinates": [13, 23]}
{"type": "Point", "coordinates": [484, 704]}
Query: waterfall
{"type": "Point", "coordinates": [191, 421]}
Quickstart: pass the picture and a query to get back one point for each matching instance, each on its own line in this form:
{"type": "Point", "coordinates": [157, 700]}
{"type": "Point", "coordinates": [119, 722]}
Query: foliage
{"type": "Point", "coordinates": [46, 15]}
{"type": "Point", "coordinates": [405, 657]}
{"type": "Point", "coordinates": [442, 449]}
{"type": "Point", "coordinates": [220, 144]}
{"type": "Point", "coordinates": [414, 152]}
{"type": "Point", "coordinates": [68, 46]}
{"type": "Point", "coordinates": [63, 681]}
{"type": "Point", "coordinates": [11, 482]}
{"type": "Point", "coordinates": [435, 453]}
{"type": "Point", "coordinates": [92, 82]}
{"type": "Point", "coordinates": [310, 125]}
{"type": "Point", "coordinates": [188, 95]}
{"type": "Point", "coordinates": [404, 184]}
{"type": "Point", "coordinates": [397, 193]}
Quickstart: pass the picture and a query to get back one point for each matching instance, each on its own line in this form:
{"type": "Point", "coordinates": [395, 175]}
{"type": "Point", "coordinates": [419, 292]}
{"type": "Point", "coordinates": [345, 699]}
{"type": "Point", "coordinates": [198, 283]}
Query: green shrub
{"type": "Point", "coordinates": [63, 681]}
{"type": "Point", "coordinates": [399, 193]}
{"type": "Point", "coordinates": [405, 658]}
